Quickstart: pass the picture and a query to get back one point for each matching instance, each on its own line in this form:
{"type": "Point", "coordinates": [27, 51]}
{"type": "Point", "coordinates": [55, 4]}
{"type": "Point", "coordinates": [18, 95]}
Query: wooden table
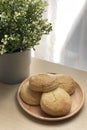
{"type": "Point", "coordinates": [13, 117]}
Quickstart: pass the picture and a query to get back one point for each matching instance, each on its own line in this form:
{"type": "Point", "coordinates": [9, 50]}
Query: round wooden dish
{"type": "Point", "coordinates": [35, 111]}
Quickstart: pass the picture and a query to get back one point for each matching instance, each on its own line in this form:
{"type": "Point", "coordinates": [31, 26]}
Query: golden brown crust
{"type": "Point", "coordinates": [43, 82]}
{"type": "Point", "coordinates": [56, 103]}
{"type": "Point", "coordinates": [29, 96]}
{"type": "Point", "coordinates": [66, 82]}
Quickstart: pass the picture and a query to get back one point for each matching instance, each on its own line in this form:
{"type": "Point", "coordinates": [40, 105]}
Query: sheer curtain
{"type": "Point", "coordinates": [64, 44]}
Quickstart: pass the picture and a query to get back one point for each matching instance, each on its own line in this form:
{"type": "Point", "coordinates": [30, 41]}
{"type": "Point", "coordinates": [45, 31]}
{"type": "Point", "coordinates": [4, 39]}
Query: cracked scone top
{"type": "Point", "coordinates": [43, 82]}
{"type": "Point", "coordinates": [66, 82]}
{"type": "Point", "coordinates": [56, 102]}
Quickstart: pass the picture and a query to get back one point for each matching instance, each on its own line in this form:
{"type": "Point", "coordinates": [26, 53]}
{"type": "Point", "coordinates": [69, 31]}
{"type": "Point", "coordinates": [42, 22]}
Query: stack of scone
{"type": "Point", "coordinates": [51, 92]}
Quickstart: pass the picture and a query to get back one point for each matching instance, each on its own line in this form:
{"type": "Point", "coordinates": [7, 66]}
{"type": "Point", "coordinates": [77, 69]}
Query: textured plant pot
{"type": "Point", "coordinates": [15, 67]}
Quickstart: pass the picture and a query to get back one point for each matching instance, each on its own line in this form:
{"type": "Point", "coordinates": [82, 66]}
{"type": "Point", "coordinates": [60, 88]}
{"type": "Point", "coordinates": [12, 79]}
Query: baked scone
{"type": "Point", "coordinates": [56, 102]}
{"type": "Point", "coordinates": [43, 82]}
{"type": "Point", "coordinates": [66, 82]}
{"type": "Point", "coordinates": [28, 96]}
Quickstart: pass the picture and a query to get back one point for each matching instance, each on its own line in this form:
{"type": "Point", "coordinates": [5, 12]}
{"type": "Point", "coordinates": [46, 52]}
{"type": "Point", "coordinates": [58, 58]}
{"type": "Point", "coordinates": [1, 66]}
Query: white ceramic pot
{"type": "Point", "coordinates": [15, 67]}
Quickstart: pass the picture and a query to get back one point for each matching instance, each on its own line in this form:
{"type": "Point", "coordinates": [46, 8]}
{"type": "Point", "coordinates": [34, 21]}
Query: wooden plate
{"type": "Point", "coordinates": [35, 111]}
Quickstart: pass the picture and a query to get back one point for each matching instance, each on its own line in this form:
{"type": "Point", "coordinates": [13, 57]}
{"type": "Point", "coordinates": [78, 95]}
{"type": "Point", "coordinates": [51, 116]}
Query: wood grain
{"type": "Point", "coordinates": [35, 111]}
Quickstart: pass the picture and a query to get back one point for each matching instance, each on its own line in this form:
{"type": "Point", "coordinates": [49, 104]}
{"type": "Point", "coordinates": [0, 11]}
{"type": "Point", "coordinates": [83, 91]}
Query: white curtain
{"type": "Point", "coordinates": [64, 44]}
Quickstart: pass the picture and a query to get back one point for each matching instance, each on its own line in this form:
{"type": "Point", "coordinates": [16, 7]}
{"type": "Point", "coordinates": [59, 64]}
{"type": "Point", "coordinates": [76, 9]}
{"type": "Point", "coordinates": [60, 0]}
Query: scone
{"type": "Point", "coordinates": [66, 82]}
{"type": "Point", "coordinates": [28, 96]}
{"type": "Point", "coordinates": [56, 103]}
{"type": "Point", "coordinates": [43, 82]}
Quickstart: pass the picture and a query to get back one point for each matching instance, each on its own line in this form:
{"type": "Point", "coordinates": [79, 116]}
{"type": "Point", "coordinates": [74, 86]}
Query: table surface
{"type": "Point", "coordinates": [13, 117]}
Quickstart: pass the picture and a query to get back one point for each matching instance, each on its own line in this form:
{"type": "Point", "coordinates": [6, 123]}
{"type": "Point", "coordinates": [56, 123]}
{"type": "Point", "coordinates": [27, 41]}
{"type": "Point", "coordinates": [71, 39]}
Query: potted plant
{"type": "Point", "coordinates": [21, 27]}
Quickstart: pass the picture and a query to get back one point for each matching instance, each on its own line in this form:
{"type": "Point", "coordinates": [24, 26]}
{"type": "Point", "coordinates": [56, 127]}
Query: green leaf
{"type": "Point", "coordinates": [22, 24]}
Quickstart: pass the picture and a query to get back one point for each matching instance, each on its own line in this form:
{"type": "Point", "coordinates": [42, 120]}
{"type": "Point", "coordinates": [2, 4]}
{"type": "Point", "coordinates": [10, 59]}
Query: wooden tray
{"type": "Point", "coordinates": [35, 111]}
